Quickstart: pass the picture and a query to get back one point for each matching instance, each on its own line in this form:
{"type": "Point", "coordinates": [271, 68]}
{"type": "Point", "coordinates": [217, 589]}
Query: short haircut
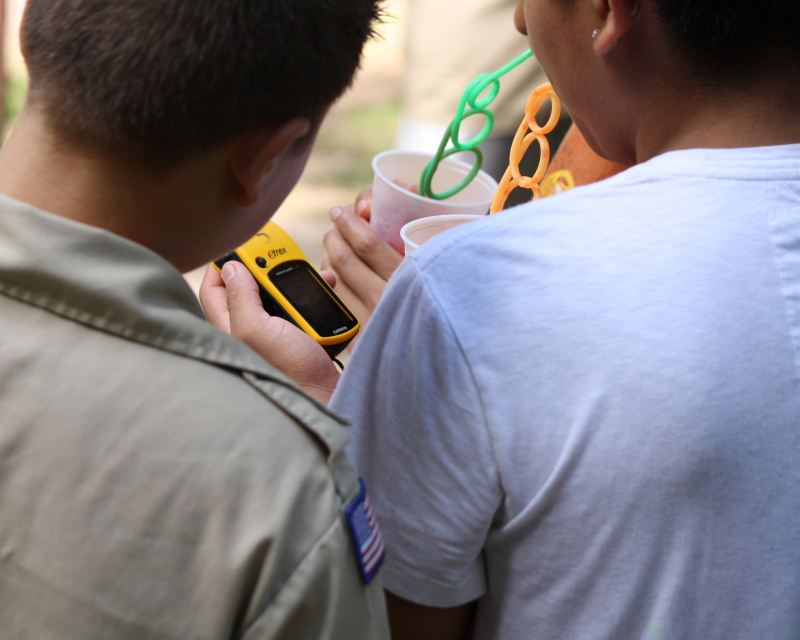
{"type": "Point", "coordinates": [168, 80]}
{"type": "Point", "coordinates": [715, 32]}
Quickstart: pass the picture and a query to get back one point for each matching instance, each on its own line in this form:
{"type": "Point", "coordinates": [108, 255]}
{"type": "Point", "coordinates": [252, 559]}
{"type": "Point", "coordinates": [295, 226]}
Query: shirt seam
{"type": "Point", "coordinates": [727, 178]}
{"type": "Point", "coordinates": [778, 272]}
{"type": "Point", "coordinates": [621, 179]}
{"type": "Point", "coordinates": [94, 322]}
{"type": "Point", "coordinates": [179, 349]}
{"type": "Point", "coordinates": [430, 588]}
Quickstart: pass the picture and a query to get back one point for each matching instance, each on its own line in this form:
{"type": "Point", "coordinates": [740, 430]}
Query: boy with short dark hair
{"type": "Point", "coordinates": [159, 479]}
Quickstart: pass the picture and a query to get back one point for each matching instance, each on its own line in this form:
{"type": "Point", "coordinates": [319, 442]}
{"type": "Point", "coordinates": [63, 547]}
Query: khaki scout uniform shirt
{"type": "Point", "coordinates": [157, 478]}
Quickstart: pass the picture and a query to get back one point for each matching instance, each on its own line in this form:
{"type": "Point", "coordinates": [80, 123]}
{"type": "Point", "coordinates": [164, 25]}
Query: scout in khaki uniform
{"type": "Point", "coordinates": [158, 479]}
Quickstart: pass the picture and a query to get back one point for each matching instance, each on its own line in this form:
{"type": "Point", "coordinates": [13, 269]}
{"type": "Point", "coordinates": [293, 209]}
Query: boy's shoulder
{"type": "Point", "coordinates": [625, 212]}
{"type": "Point", "coordinates": [162, 464]}
{"type": "Point", "coordinates": [102, 326]}
{"type": "Point", "coordinates": [97, 385]}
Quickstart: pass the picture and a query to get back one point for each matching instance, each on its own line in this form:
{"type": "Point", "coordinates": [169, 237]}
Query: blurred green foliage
{"type": "Point", "coordinates": [349, 139]}
{"type": "Point", "coordinates": [15, 91]}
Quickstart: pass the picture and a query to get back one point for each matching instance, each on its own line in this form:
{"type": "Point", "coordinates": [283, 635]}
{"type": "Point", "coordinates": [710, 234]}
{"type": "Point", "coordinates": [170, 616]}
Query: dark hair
{"type": "Point", "coordinates": [169, 79]}
{"type": "Point", "coordinates": [714, 32]}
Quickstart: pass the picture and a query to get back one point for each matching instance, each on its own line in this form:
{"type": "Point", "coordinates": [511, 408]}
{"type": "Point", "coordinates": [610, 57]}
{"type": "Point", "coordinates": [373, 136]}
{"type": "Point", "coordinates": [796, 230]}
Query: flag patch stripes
{"type": "Point", "coordinates": [366, 535]}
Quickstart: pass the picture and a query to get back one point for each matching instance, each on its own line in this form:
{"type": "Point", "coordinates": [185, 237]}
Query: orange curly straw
{"type": "Point", "coordinates": [522, 142]}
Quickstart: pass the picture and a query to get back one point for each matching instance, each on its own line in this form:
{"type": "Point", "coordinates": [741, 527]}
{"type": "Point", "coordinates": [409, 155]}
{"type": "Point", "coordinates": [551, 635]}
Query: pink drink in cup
{"type": "Point", "coordinates": [393, 206]}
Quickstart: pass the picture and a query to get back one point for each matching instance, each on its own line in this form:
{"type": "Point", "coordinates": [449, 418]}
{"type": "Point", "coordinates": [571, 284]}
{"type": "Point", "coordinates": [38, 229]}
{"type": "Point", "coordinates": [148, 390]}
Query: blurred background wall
{"type": "Point", "coordinates": [13, 65]}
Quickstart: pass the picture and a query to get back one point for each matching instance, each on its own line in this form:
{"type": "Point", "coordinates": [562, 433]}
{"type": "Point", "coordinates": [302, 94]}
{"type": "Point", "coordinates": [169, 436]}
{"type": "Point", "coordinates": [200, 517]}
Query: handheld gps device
{"type": "Point", "coordinates": [290, 288]}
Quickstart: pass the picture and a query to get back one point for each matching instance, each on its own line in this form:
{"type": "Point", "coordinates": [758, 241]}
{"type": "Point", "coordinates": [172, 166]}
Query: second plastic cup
{"type": "Point", "coordinates": [418, 232]}
{"type": "Point", "coordinates": [394, 207]}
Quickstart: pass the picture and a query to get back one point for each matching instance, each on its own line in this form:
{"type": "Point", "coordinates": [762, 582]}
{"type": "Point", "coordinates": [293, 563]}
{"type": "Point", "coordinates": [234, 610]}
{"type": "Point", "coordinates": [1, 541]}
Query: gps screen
{"type": "Point", "coordinates": [312, 298]}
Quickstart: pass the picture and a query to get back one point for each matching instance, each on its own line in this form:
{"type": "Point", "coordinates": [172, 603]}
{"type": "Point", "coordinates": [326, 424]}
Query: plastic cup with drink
{"type": "Point", "coordinates": [394, 206]}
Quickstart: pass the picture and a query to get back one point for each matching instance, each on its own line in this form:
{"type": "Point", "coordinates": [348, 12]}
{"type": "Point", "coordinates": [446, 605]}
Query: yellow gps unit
{"type": "Point", "coordinates": [290, 288]}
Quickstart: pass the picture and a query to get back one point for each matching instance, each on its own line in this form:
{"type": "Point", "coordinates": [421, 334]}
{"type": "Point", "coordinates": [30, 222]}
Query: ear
{"type": "Point", "coordinates": [519, 18]}
{"type": "Point", "coordinates": [617, 17]}
{"type": "Point", "coordinates": [255, 154]}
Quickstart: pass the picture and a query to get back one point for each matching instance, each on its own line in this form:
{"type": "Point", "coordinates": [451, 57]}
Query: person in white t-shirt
{"type": "Point", "coordinates": [580, 418]}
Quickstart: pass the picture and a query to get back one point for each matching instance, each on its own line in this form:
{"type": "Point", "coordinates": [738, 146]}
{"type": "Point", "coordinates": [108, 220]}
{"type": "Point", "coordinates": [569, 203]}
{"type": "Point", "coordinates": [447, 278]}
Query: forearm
{"type": "Point", "coordinates": [410, 621]}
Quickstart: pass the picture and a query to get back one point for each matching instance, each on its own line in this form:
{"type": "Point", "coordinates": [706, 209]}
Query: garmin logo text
{"type": "Point", "coordinates": [274, 253]}
{"type": "Point", "coordinates": [339, 330]}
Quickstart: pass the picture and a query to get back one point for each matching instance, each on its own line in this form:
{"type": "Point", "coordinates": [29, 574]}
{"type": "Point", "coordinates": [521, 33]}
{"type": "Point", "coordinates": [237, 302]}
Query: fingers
{"type": "Point", "coordinates": [367, 285]}
{"type": "Point", "coordinates": [279, 342]}
{"type": "Point", "coordinates": [406, 186]}
{"type": "Point", "coordinates": [247, 315]}
{"type": "Point", "coordinates": [366, 244]}
{"type": "Point", "coordinates": [329, 277]}
{"type": "Point", "coordinates": [214, 299]}
{"type": "Point", "coordinates": [364, 203]}
{"type": "Point", "coordinates": [364, 199]}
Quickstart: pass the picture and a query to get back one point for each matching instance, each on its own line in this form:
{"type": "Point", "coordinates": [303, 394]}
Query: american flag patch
{"type": "Point", "coordinates": [366, 535]}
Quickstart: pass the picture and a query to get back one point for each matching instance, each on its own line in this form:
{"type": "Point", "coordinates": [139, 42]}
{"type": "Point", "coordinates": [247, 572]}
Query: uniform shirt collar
{"type": "Point", "coordinates": [91, 276]}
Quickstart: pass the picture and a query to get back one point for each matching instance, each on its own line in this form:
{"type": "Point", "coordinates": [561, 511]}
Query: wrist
{"type": "Point", "coordinates": [321, 386]}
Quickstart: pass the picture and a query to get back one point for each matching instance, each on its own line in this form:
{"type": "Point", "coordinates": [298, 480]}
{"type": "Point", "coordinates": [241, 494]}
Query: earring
{"type": "Point", "coordinates": [595, 34]}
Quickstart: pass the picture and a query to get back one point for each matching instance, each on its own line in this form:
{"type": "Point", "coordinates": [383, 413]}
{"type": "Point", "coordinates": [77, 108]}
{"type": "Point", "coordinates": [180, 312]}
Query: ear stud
{"type": "Point", "coordinates": [595, 34]}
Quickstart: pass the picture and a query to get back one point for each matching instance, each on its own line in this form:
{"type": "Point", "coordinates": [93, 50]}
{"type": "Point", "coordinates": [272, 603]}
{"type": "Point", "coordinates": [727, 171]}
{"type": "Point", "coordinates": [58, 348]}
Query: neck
{"type": "Point", "coordinates": [760, 112]}
{"type": "Point", "coordinates": [99, 189]}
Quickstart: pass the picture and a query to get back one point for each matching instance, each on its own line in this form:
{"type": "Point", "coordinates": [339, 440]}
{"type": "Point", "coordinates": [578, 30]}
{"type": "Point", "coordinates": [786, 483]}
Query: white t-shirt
{"type": "Point", "coordinates": [585, 411]}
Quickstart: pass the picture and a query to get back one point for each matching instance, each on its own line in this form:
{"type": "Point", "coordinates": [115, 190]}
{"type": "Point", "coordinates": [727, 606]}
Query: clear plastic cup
{"type": "Point", "coordinates": [393, 207]}
{"type": "Point", "coordinates": [418, 232]}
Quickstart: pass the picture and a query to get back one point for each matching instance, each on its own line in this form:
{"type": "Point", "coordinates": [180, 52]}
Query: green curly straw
{"type": "Point", "coordinates": [470, 97]}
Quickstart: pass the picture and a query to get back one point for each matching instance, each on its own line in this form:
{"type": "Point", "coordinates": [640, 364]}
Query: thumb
{"type": "Point", "coordinates": [247, 315]}
{"type": "Point", "coordinates": [283, 345]}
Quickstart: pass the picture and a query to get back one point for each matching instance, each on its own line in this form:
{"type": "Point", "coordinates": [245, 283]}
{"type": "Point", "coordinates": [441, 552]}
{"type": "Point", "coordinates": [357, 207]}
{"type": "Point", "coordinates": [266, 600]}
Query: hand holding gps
{"type": "Point", "coordinates": [291, 289]}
